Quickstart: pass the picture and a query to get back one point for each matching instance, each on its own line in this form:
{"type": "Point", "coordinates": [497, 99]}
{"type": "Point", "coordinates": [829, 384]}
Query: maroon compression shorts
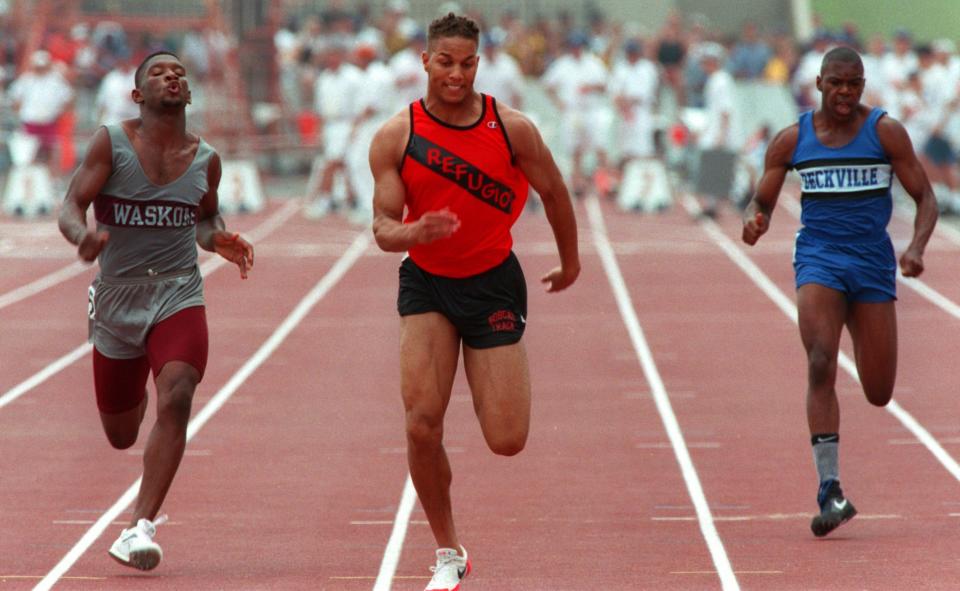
{"type": "Point", "coordinates": [120, 383]}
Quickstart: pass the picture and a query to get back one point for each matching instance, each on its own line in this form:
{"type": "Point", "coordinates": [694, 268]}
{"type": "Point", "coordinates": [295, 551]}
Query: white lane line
{"type": "Point", "coordinates": [209, 266]}
{"type": "Point", "coordinates": [44, 374]}
{"type": "Point", "coordinates": [660, 396]}
{"type": "Point", "coordinates": [47, 281]}
{"type": "Point", "coordinates": [391, 555]}
{"type": "Point", "coordinates": [321, 289]}
{"type": "Point", "coordinates": [786, 305]}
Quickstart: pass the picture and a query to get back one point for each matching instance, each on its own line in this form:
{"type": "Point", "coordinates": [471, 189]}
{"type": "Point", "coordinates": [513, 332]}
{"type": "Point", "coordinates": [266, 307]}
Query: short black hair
{"type": "Point", "coordinates": [843, 54]}
{"type": "Point", "coordinates": [452, 25]}
{"type": "Point", "coordinates": [142, 67]}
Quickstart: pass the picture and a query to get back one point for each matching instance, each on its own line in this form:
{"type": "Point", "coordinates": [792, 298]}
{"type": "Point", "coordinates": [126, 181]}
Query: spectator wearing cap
{"type": "Point", "coordinates": [40, 96]}
{"type": "Point", "coordinates": [338, 84]}
{"type": "Point", "coordinates": [375, 104]}
{"type": "Point", "coordinates": [499, 75]}
{"type": "Point", "coordinates": [718, 140]}
{"type": "Point", "coordinates": [576, 82]}
{"type": "Point", "coordinates": [633, 87]}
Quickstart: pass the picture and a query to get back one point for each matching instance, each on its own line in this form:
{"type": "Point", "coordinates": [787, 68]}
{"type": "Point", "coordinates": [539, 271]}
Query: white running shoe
{"type": "Point", "coordinates": [135, 546]}
{"type": "Point", "coordinates": [450, 570]}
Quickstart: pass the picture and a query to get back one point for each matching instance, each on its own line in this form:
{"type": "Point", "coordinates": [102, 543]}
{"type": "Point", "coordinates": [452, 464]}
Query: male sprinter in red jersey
{"type": "Point", "coordinates": [153, 187]}
{"type": "Point", "coordinates": [461, 164]}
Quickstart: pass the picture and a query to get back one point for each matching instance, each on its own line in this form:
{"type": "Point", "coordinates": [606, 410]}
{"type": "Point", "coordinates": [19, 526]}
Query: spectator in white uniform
{"type": "Point", "coordinates": [114, 102]}
{"type": "Point", "coordinates": [375, 104]}
{"type": "Point", "coordinates": [938, 154]}
{"type": "Point", "coordinates": [500, 75]}
{"type": "Point", "coordinates": [718, 141]}
{"type": "Point", "coordinates": [337, 87]}
{"type": "Point", "coordinates": [898, 64]}
{"type": "Point", "coordinates": [410, 77]}
{"type": "Point", "coordinates": [874, 89]}
{"type": "Point", "coordinates": [634, 85]}
{"type": "Point", "coordinates": [40, 96]}
{"type": "Point", "coordinates": [804, 81]}
{"type": "Point", "coordinates": [577, 83]}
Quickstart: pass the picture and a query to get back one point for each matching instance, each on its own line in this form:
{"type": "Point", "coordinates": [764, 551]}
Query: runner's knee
{"type": "Point", "coordinates": [509, 444]}
{"type": "Point", "coordinates": [175, 397]}
{"type": "Point", "coordinates": [821, 366]}
{"type": "Point", "coordinates": [879, 395]}
{"type": "Point", "coordinates": [123, 440]}
{"type": "Point", "coordinates": [423, 430]}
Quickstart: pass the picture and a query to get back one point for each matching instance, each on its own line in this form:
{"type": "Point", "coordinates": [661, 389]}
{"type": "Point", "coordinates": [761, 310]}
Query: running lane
{"type": "Point", "coordinates": [572, 511]}
{"type": "Point", "coordinates": [901, 521]}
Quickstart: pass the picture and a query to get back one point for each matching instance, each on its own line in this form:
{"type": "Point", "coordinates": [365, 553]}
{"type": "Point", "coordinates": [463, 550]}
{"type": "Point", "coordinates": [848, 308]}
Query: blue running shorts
{"type": "Point", "coordinates": [863, 271]}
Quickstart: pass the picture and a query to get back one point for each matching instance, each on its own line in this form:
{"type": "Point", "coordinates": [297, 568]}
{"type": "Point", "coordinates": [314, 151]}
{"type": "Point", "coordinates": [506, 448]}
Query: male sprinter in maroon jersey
{"type": "Point", "coordinates": [461, 165]}
{"type": "Point", "coordinates": [153, 187]}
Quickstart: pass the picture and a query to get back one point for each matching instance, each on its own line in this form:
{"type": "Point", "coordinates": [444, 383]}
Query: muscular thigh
{"type": "Point", "coordinates": [500, 383]}
{"type": "Point", "coordinates": [119, 383]}
{"type": "Point", "coordinates": [821, 314]}
{"type": "Point", "coordinates": [429, 354]}
{"type": "Point", "coordinates": [180, 337]}
{"type": "Point", "coordinates": [873, 329]}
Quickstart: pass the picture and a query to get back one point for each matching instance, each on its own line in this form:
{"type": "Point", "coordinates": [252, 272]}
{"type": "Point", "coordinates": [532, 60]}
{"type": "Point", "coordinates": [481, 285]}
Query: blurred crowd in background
{"type": "Point", "coordinates": [627, 109]}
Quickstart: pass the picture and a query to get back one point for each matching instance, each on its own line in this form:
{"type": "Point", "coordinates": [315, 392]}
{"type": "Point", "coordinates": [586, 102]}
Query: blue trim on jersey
{"type": "Point", "coordinates": [845, 191]}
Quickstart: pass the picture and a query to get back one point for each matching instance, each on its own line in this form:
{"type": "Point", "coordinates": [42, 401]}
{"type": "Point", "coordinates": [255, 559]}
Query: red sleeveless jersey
{"type": "Point", "coordinates": [471, 171]}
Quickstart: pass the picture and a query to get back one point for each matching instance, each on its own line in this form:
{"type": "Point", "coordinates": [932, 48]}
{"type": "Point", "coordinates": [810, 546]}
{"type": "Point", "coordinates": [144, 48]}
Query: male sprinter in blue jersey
{"type": "Point", "coordinates": [846, 154]}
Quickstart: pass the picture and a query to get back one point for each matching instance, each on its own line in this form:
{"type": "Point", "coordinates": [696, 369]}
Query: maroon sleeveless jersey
{"type": "Point", "coordinates": [469, 170]}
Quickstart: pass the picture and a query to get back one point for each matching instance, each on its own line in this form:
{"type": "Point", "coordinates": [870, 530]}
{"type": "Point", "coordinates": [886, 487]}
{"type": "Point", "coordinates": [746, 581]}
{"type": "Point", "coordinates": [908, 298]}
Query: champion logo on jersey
{"type": "Point", "coordinates": [492, 124]}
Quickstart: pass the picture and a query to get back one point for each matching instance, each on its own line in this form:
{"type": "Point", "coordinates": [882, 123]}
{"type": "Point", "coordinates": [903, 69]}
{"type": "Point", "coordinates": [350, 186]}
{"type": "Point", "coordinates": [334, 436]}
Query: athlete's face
{"type": "Point", "coordinates": [451, 65]}
{"type": "Point", "coordinates": [841, 84]}
{"type": "Point", "coordinates": [164, 84]}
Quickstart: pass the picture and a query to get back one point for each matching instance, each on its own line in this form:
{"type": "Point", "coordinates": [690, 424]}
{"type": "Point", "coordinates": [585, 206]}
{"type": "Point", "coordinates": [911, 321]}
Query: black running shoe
{"type": "Point", "coordinates": [834, 509]}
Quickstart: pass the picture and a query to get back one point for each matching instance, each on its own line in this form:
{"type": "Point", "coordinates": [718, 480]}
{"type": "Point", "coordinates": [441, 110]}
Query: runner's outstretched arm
{"type": "Point", "coordinates": [776, 163]}
{"type": "Point", "coordinates": [212, 234]}
{"type": "Point", "coordinates": [389, 196]}
{"type": "Point", "coordinates": [84, 188]}
{"type": "Point", "coordinates": [536, 161]}
{"type": "Point", "coordinates": [908, 170]}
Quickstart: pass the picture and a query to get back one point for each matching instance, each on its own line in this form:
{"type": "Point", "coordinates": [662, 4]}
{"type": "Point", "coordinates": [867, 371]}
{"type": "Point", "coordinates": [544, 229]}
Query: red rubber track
{"type": "Point", "coordinates": [294, 484]}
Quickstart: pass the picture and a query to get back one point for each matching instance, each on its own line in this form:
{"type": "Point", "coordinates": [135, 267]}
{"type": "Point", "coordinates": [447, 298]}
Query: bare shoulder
{"type": "Point", "coordinates": [391, 139]}
{"type": "Point", "coordinates": [894, 138]}
{"type": "Point", "coordinates": [394, 129]}
{"type": "Point", "coordinates": [520, 129]}
{"type": "Point", "coordinates": [783, 144]}
{"type": "Point", "coordinates": [215, 165]}
{"type": "Point", "coordinates": [100, 148]}
{"type": "Point", "coordinates": [889, 126]}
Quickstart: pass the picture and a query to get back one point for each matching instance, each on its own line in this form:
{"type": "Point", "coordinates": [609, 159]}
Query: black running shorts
{"type": "Point", "coordinates": [488, 309]}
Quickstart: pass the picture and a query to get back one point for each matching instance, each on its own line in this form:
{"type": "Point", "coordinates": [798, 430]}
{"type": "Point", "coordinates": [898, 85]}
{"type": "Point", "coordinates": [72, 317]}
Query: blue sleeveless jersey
{"type": "Point", "coordinates": [846, 190]}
